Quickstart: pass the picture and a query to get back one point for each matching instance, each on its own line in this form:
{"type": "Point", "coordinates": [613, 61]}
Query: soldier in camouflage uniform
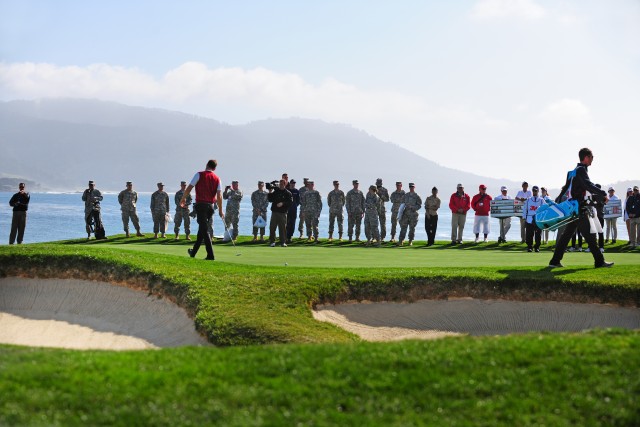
{"type": "Point", "coordinates": [383, 195]}
{"type": "Point", "coordinates": [159, 209]}
{"type": "Point", "coordinates": [396, 198]}
{"type": "Point", "coordinates": [301, 192]}
{"type": "Point", "coordinates": [233, 195]}
{"type": "Point", "coordinates": [182, 213]}
{"type": "Point", "coordinates": [336, 200]}
{"type": "Point", "coordinates": [128, 199]}
{"type": "Point", "coordinates": [355, 210]}
{"type": "Point", "coordinates": [311, 210]}
{"type": "Point", "coordinates": [412, 204]}
{"type": "Point", "coordinates": [260, 204]}
{"type": "Point", "coordinates": [371, 211]}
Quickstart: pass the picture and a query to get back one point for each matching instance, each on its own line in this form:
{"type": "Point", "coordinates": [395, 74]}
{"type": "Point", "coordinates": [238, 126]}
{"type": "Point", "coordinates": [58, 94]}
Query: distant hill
{"type": "Point", "coordinates": [62, 143]}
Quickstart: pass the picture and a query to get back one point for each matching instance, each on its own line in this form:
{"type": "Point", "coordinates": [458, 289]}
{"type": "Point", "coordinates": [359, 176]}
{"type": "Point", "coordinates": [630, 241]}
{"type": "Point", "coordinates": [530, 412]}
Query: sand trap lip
{"type": "Point", "coordinates": [429, 319]}
{"type": "Point", "coordinates": [82, 314]}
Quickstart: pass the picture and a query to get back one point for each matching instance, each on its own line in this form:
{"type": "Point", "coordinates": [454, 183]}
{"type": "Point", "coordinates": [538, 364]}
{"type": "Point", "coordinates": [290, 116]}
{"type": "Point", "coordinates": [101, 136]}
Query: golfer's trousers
{"type": "Point", "coordinates": [204, 214]}
{"type": "Point", "coordinates": [582, 225]}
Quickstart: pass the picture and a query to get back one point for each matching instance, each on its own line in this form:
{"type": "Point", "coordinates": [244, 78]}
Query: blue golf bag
{"type": "Point", "coordinates": [555, 215]}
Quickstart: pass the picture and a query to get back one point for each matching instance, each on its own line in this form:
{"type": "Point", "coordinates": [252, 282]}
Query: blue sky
{"type": "Point", "coordinates": [505, 88]}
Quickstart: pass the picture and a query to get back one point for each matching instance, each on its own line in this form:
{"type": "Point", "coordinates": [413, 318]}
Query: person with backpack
{"type": "Point", "coordinates": [92, 218]}
{"type": "Point", "coordinates": [576, 187]}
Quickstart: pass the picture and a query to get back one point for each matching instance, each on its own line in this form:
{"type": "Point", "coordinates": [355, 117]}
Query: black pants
{"type": "Point", "coordinates": [430, 226]}
{"type": "Point", "coordinates": [204, 214]}
{"type": "Point", "coordinates": [18, 223]}
{"type": "Point", "coordinates": [291, 222]}
{"type": "Point", "coordinates": [582, 225]}
{"type": "Point", "coordinates": [278, 221]}
{"type": "Point", "coordinates": [532, 231]}
{"type": "Point", "coordinates": [95, 218]}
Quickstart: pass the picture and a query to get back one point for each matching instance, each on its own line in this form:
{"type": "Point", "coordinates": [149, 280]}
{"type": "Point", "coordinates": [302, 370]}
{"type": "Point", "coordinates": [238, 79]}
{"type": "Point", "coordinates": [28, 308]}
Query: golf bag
{"type": "Point", "coordinates": [555, 215]}
{"type": "Point", "coordinates": [95, 223]}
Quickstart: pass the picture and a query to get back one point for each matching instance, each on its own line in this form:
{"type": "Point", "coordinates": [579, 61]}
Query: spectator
{"type": "Point", "coordinates": [505, 223]}
{"type": "Point", "coordinates": [459, 203]}
{"type": "Point", "coordinates": [633, 209]}
{"type": "Point", "coordinates": [20, 203]}
{"type": "Point", "coordinates": [481, 204]}
{"type": "Point", "coordinates": [431, 206]}
{"type": "Point", "coordinates": [522, 196]}
{"type": "Point", "coordinates": [529, 210]}
{"type": "Point", "coordinates": [612, 223]}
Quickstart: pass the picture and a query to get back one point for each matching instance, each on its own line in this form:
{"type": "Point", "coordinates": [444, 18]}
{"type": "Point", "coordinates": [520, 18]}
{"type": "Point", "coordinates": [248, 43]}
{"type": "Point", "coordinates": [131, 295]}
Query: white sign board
{"type": "Point", "coordinates": [506, 208]}
{"type": "Point", "coordinates": [613, 209]}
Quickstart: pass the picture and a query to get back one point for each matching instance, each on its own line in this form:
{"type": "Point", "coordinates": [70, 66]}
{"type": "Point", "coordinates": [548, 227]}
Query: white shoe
{"type": "Point", "coordinates": [485, 240]}
{"type": "Point", "coordinates": [476, 241]}
{"type": "Point", "coordinates": [273, 245]}
{"type": "Point", "coordinates": [284, 245]}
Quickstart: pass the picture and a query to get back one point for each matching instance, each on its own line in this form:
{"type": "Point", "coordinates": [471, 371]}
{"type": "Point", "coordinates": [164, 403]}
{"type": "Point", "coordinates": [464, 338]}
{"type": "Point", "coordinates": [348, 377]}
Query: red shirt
{"type": "Point", "coordinates": [459, 202]}
{"type": "Point", "coordinates": [483, 207]}
{"type": "Point", "coordinates": [207, 187]}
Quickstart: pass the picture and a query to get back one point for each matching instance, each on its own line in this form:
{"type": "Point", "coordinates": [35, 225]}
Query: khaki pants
{"type": "Point", "coordinates": [634, 231]}
{"type": "Point", "coordinates": [457, 226]}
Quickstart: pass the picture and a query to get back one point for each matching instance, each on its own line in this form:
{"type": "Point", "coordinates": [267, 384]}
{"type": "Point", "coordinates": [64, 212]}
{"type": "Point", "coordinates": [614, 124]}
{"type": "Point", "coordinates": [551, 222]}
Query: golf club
{"type": "Point", "coordinates": [232, 242]}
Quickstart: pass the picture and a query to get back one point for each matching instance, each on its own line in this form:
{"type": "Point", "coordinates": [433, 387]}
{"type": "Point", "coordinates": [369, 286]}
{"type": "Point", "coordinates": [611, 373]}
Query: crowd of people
{"type": "Point", "coordinates": [299, 208]}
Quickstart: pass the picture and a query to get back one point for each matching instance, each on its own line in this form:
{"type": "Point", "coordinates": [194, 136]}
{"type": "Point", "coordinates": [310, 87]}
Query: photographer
{"type": "Point", "coordinates": [280, 199]}
{"type": "Point", "coordinates": [92, 198]}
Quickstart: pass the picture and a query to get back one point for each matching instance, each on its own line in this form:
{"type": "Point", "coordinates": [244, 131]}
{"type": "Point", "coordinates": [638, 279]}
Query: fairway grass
{"type": "Point", "coordinates": [325, 375]}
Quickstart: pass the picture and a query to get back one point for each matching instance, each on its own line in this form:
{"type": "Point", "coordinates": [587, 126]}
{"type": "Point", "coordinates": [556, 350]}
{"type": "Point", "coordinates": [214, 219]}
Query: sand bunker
{"type": "Point", "coordinates": [430, 319]}
{"type": "Point", "coordinates": [82, 314]}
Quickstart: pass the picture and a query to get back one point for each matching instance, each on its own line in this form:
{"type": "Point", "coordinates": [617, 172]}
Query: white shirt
{"type": "Point", "coordinates": [530, 207]}
{"type": "Point", "coordinates": [501, 197]}
{"type": "Point", "coordinates": [524, 194]}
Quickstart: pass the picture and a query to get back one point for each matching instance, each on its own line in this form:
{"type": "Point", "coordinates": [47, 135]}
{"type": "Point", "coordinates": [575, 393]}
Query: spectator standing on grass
{"type": "Point", "coordinates": [208, 193]}
{"type": "Point", "coordinates": [371, 218]}
{"type": "Point", "coordinates": [127, 199]}
{"type": "Point", "coordinates": [312, 210]}
{"type": "Point", "coordinates": [336, 200]}
{"type": "Point", "coordinates": [20, 204]}
{"type": "Point", "coordinates": [576, 187]}
{"type": "Point", "coordinates": [233, 195]}
{"type": "Point", "coordinates": [355, 210]}
{"type": "Point", "coordinates": [522, 196]}
{"type": "Point", "coordinates": [280, 199]}
{"type": "Point", "coordinates": [159, 208]}
{"type": "Point", "coordinates": [431, 206]}
{"type": "Point", "coordinates": [505, 223]}
{"type": "Point", "coordinates": [459, 203]}
{"type": "Point", "coordinates": [182, 213]}
{"type": "Point", "coordinates": [301, 193]}
{"type": "Point", "coordinates": [396, 200]}
{"type": "Point", "coordinates": [633, 210]}
{"type": "Point", "coordinates": [529, 209]}
{"type": "Point", "coordinates": [260, 204]}
{"type": "Point", "coordinates": [612, 223]}
{"type": "Point", "coordinates": [412, 204]}
{"type": "Point", "coordinates": [383, 196]}
{"type": "Point", "coordinates": [481, 204]}
{"type": "Point", "coordinates": [292, 214]}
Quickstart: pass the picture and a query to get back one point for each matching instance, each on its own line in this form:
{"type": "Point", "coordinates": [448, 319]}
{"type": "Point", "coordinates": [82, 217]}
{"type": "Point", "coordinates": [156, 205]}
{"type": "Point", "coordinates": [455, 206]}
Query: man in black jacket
{"type": "Point", "coordinates": [579, 183]}
{"type": "Point", "coordinates": [20, 203]}
{"type": "Point", "coordinates": [280, 199]}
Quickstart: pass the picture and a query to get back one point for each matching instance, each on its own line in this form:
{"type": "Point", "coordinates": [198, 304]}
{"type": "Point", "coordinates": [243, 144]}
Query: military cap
{"type": "Point", "coordinates": [398, 182]}
{"type": "Point", "coordinates": [293, 181]}
{"type": "Point", "coordinates": [305, 179]}
{"type": "Point", "coordinates": [411, 184]}
{"type": "Point", "coordinates": [355, 181]}
{"type": "Point", "coordinates": [90, 182]}
{"type": "Point", "coordinates": [310, 182]}
{"type": "Point", "coordinates": [129, 183]}
{"type": "Point", "coordinates": [234, 182]}
{"type": "Point", "coordinates": [160, 184]}
{"type": "Point", "coordinates": [183, 182]}
{"type": "Point", "coordinates": [336, 182]}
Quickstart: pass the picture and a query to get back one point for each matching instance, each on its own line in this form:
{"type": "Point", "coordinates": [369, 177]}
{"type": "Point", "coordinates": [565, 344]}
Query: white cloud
{"type": "Point", "coordinates": [569, 112]}
{"type": "Point", "coordinates": [499, 9]}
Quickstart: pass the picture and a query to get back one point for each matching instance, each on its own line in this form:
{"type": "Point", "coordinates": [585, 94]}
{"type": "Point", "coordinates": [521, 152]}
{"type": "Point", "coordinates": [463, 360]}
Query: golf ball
{"type": "Point", "coordinates": [286, 263]}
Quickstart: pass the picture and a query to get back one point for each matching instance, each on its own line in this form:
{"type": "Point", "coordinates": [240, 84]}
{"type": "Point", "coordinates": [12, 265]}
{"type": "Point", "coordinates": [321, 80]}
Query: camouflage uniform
{"type": "Point", "coordinates": [396, 200]}
{"type": "Point", "coordinates": [159, 208]}
{"type": "Point", "coordinates": [355, 209]}
{"type": "Point", "coordinates": [128, 199]}
{"type": "Point", "coordinates": [311, 211]}
{"type": "Point", "coordinates": [383, 195]}
{"type": "Point", "coordinates": [232, 212]}
{"type": "Point", "coordinates": [89, 197]}
{"type": "Point", "coordinates": [301, 192]}
{"type": "Point", "coordinates": [182, 214]}
{"type": "Point", "coordinates": [336, 200]}
{"type": "Point", "coordinates": [372, 209]}
{"type": "Point", "coordinates": [412, 204]}
{"type": "Point", "coordinates": [260, 203]}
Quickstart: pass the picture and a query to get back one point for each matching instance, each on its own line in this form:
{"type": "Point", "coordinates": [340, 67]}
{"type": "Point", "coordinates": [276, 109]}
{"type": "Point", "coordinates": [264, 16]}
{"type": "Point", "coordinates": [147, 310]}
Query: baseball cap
{"type": "Point", "coordinates": [310, 181]}
{"type": "Point", "coordinates": [398, 182]}
{"type": "Point", "coordinates": [611, 189]}
{"type": "Point", "coordinates": [355, 181]}
{"type": "Point", "coordinates": [160, 184]}
{"type": "Point", "coordinates": [525, 183]}
{"type": "Point", "coordinates": [482, 187]}
{"type": "Point", "coordinates": [234, 182]}
{"type": "Point", "coordinates": [503, 188]}
{"type": "Point", "coordinates": [293, 181]}
{"type": "Point", "coordinates": [336, 182]}
{"type": "Point", "coordinates": [91, 183]}
{"type": "Point", "coordinates": [411, 184]}
{"type": "Point", "coordinates": [535, 188]}
{"type": "Point", "coordinates": [635, 187]}
{"type": "Point", "coordinates": [129, 183]}
{"type": "Point", "coordinates": [460, 186]}
{"type": "Point", "coordinates": [629, 189]}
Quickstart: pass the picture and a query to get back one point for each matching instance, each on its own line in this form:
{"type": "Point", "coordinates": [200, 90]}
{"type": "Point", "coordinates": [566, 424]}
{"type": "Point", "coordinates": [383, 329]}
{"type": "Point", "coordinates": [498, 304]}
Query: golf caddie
{"type": "Point", "coordinates": [208, 193]}
{"type": "Point", "coordinates": [576, 187]}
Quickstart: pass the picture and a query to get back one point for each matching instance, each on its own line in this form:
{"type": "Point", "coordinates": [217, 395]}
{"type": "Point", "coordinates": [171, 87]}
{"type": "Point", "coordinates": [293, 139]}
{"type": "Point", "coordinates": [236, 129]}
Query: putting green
{"type": "Point", "coordinates": [340, 255]}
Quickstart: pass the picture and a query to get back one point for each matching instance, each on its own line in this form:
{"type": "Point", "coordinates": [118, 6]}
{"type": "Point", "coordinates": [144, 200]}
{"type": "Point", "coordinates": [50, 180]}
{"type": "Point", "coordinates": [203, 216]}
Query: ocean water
{"type": "Point", "coordinates": [60, 216]}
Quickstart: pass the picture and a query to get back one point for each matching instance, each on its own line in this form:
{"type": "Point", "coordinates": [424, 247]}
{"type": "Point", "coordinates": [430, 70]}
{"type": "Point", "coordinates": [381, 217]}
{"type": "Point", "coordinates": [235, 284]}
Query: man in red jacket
{"type": "Point", "coordinates": [481, 203]}
{"type": "Point", "coordinates": [459, 204]}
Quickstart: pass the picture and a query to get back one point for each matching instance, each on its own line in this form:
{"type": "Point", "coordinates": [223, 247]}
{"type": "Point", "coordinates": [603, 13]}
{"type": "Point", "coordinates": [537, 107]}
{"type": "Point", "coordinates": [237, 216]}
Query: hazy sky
{"type": "Point", "coordinates": [504, 88]}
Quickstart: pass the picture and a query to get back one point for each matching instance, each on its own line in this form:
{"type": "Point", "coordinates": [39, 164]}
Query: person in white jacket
{"type": "Point", "coordinates": [611, 223]}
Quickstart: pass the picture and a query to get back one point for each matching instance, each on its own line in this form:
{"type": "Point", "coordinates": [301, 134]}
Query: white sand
{"type": "Point", "coordinates": [83, 314]}
{"type": "Point", "coordinates": [428, 319]}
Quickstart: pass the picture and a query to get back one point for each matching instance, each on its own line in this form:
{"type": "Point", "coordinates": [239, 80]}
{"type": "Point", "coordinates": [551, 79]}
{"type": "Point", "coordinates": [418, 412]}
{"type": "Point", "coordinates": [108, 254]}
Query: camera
{"type": "Point", "coordinates": [272, 185]}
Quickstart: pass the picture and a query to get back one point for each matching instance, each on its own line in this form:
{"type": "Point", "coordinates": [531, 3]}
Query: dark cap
{"type": "Point", "coordinates": [411, 184]}
{"type": "Point", "coordinates": [293, 181]}
{"type": "Point", "coordinates": [183, 182]}
{"type": "Point", "coordinates": [129, 183]}
{"type": "Point", "coordinates": [90, 182]}
{"type": "Point", "coordinates": [535, 188]}
{"type": "Point", "coordinates": [310, 182]}
{"type": "Point", "coordinates": [398, 182]}
{"type": "Point", "coordinates": [379, 181]}
{"type": "Point", "coordinates": [234, 182]}
{"type": "Point", "coordinates": [635, 188]}
{"type": "Point", "coordinates": [160, 184]}
{"type": "Point", "coordinates": [336, 182]}
{"type": "Point", "coordinates": [355, 181]}
{"type": "Point", "coordinates": [525, 183]}
{"type": "Point", "coordinates": [305, 179]}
